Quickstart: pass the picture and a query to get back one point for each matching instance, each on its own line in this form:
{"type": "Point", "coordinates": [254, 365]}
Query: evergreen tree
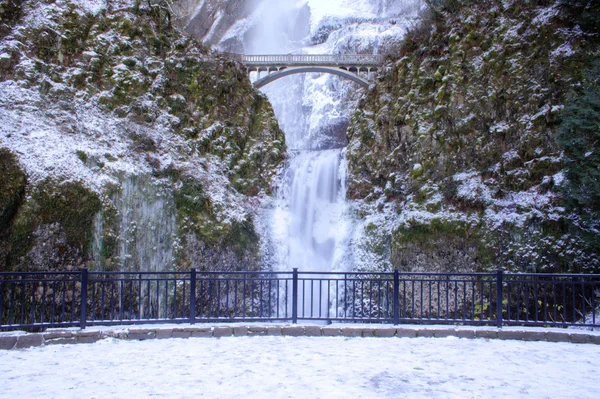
{"type": "Point", "coordinates": [579, 134]}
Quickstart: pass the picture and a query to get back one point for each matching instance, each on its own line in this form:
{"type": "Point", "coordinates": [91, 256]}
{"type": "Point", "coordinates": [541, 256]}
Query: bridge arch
{"type": "Point", "coordinates": [355, 67]}
{"type": "Point", "coordinates": [287, 71]}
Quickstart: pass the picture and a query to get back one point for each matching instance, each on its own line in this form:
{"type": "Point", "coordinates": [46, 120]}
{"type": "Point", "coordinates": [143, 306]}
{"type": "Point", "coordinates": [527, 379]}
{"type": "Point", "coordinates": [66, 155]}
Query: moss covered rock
{"type": "Point", "coordinates": [52, 229]}
{"type": "Point", "coordinates": [460, 126]}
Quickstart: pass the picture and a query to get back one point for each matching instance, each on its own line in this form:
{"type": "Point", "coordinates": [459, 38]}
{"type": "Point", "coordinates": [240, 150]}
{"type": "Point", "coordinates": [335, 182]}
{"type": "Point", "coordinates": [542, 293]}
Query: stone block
{"type": "Point", "coordinates": [312, 331]}
{"type": "Point", "coordinates": [444, 332]}
{"type": "Point", "coordinates": [240, 331]}
{"type": "Point", "coordinates": [119, 334]}
{"type": "Point", "coordinates": [201, 332]}
{"type": "Point", "coordinates": [57, 334]}
{"type": "Point", "coordinates": [535, 336]}
{"type": "Point", "coordinates": [29, 340]}
{"type": "Point", "coordinates": [220, 332]}
{"type": "Point", "coordinates": [331, 331]}
{"type": "Point", "coordinates": [488, 334]}
{"type": "Point", "coordinates": [352, 331]}
{"type": "Point", "coordinates": [469, 334]}
{"type": "Point", "coordinates": [181, 333]}
{"type": "Point", "coordinates": [406, 332]}
{"type": "Point", "coordinates": [512, 334]}
{"type": "Point", "coordinates": [385, 332]}
{"type": "Point", "coordinates": [368, 332]}
{"type": "Point", "coordinates": [555, 336]}
{"type": "Point", "coordinates": [578, 338]}
{"type": "Point", "coordinates": [293, 331]}
{"type": "Point", "coordinates": [88, 337]}
{"type": "Point", "coordinates": [274, 330]}
{"type": "Point", "coordinates": [426, 332]}
{"type": "Point", "coordinates": [164, 333]}
{"type": "Point", "coordinates": [595, 339]}
{"type": "Point", "coordinates": [141, 334]}
{"type": "Point", "coordinates": [257, 330]}
{"type": "Point", "coordinates": [60, 341]}
{"type": "Point", "coordinates": [7, 342]}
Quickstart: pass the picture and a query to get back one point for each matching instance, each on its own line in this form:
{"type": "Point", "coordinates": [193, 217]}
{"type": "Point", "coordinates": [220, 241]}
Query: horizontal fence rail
{"type": "Point", "coordinates": [311, 59]}
{"type": "Point", "coordinates": [80, 299]}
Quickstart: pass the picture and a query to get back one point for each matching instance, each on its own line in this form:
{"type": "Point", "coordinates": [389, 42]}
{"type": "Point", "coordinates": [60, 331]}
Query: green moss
{"type": "Point", "coordinates": [425, 232]}
{"type": "Point", "coordinates": [21, 237]}
{"type": "Point", "coordinates": [67, 207]}
{"type": "Point", "coordinates": [82, 155]}
{"type": "Point", "coordinates": [71, 205]}
{"type": "Point", "coordinates": [12, 187]}
{"type": "Point", "coordinates": [242, 237]}
{"type": "Point", "coordinates": [192, 202]}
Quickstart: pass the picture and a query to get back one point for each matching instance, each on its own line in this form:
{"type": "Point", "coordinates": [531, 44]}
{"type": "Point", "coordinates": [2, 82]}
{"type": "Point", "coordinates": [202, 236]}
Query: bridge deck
{"type": "Point", "coordinates": [312, 60]}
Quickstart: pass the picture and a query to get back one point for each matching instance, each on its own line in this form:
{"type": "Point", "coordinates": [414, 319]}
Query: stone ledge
{"type": "Point", "coordinates": [274, 330]}
{"type": "Point", "coordinates": [255, 331]}
{"type": "Point", "coordinates": [385, 332]}
{"type": "Point", "coordinates": [164, 334]}
{"type": "Point", "coordinates": [8, 342]}
{"type": "Point", "coordinates": [331, 331]}
{"type": "Point", "coordinates": [403, 332]}
{"type": "Point", "coordinates": [220, 332]}
{"type": "Point", "coordinates": [240, 331]}
{"type": "Point", "coordinates": [28, 341]}
{"type": "Point", "coordinates": [141, 335]}
{"type": "Point", "coordinates": [460, 333]}
{"type": "Point", "coordinates": [58, 337]}
{"type": "Point", "coordinates": [293, 331]}
{"type": "Point", "coordinates": [510, 334]}
{"type": "Point", "coordinates": [578, 338]}
{"type": "Point", "coordinates": [312, 331]}
{"type": "Point", "coordinates": [553, 336]}
{"type": "Point", "coordinates": [61, 341]}
{"type": "Point", "coordinates": [352, 331]}
{"type": "Point", "coordinates": [489, 334]}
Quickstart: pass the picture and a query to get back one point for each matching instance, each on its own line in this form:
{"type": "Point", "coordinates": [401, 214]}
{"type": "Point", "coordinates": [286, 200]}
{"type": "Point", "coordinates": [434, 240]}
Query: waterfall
{"type": "Point", "coordinates": [315, 193]}
{"type": "Point", "coordinates": [307, 224]}
{"type": "Point", "coordinates": [143, 228]}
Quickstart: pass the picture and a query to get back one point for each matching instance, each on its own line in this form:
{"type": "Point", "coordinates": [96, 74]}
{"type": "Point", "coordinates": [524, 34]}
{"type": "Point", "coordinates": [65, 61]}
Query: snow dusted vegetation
{"type": "Point", "coordinates": [106, 105]}
{"type": "Point", "coordinates": [302, 367]}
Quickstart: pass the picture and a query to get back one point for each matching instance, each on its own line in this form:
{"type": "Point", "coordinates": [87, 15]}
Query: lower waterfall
{"type": "Point", "coordinates": [309, 226]}
{"type": "Point", "coordinates": [316, 193]}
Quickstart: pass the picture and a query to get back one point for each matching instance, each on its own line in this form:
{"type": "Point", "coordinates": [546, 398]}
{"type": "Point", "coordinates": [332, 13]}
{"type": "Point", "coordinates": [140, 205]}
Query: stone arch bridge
{"type": "Point", "coordinates": [358, 68]}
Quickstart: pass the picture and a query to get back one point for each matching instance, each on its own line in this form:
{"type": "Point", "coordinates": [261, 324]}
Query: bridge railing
{"type": "Point", "coordinates": [42, 300]}
{"type": "Point", "coordinates": [312, 59]}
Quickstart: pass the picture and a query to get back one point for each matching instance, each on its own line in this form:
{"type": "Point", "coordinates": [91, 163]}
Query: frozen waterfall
{"type": "Point", "coordinates": [316, 197]}
{"type": "Point", "coordinates": [307, 225]}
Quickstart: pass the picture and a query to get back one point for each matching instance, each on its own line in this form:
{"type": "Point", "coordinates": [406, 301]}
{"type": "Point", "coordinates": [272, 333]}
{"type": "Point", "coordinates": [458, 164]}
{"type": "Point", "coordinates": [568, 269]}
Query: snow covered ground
{"type": "Point", "coordinates": [302, 367]}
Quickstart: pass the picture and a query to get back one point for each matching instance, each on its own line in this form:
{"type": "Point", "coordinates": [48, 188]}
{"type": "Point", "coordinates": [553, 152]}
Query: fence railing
{"type": "Point", "coordinates": [312, 59]}
{"type": "Point", "coordinates": [41, 300]}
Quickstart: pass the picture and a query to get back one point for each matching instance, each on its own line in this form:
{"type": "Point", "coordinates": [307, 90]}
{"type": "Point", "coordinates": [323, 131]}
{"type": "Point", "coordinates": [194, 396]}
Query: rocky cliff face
{"type": "Point", "coordinates": [453, 152]}
{"type": "Point", "coordinates": [126, 145]}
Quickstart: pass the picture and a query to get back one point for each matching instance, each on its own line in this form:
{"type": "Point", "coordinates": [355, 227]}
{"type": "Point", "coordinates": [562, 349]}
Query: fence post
{"type": "Point", "coordinates": [84, 290]}
{"type": "Point", "coordinates": [396, 297]}
{"type": "Point", "coordinates": [295, 296]}
{"type": "Point", "coordinates": [193, 296]}
{"type": "Point", "coordinates": [499, 278]}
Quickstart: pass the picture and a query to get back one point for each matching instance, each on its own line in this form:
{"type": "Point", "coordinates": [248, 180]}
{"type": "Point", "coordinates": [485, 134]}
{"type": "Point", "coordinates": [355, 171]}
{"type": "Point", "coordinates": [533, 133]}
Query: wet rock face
{"type": "Point", "coordinates": [333, 135]}
{"type": "Point", "coordinates": [212, 19]}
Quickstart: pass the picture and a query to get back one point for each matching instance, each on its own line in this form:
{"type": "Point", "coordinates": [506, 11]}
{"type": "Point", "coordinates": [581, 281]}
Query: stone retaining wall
{"type": "Point", "coordinates": [55, 337]}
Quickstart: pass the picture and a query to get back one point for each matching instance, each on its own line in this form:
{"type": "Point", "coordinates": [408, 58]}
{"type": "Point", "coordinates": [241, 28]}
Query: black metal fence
{"type": "Point", "coordinates": [41, 300]}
